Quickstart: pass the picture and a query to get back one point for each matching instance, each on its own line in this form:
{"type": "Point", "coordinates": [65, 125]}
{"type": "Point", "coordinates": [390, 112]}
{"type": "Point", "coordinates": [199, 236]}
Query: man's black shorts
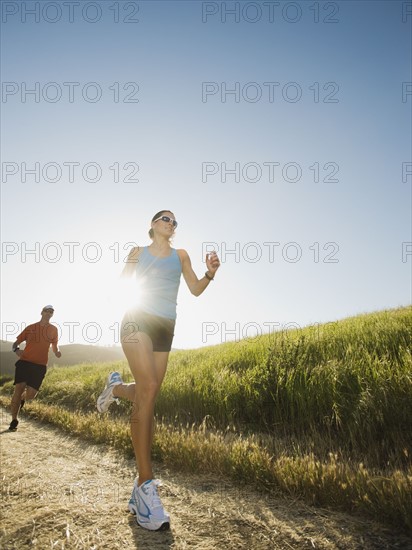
{"type": "Point", "coordinates": [31, 373]}
{"type": "Point", "coordinates": [159, 329]}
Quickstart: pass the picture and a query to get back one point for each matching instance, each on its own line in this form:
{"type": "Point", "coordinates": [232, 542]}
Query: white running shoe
{"type": "Point", "coordinates": [146, 505]}
{"type": "Point", "coordinates": [106, 398]}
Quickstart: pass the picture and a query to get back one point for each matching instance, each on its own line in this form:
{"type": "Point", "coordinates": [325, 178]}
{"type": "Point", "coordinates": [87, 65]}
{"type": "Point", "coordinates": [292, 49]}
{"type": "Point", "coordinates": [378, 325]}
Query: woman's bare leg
{"type": "Point", "coordinates": [125, 391]}
{"type": "Point", "coordinates": [147, 372]}
{"type": "Point", "coordinates": [161, 358]}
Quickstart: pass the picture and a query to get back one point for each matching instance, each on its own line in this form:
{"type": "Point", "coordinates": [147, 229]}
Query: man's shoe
{"type": "Point", "coordinates": [146, 505]}
{"type": "Point", "coordinates": [106, 398]}
{"type": "Point", "coordinates": [13, 425]}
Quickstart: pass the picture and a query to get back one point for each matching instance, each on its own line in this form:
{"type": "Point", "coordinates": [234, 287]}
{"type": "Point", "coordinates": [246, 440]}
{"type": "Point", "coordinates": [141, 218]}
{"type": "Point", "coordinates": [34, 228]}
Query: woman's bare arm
{"type": "Point", "coordinates": [195, 285]}
{"type": "Point", "coordinates": [131, 262]}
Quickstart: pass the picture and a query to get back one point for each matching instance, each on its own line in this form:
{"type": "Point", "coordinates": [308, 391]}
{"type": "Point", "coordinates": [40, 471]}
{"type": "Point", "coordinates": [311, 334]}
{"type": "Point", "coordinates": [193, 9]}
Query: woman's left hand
{"type": "Point", "coordinates": [212, 263]}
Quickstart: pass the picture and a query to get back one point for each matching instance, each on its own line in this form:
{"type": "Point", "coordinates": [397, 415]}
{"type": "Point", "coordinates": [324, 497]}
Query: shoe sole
{"type": "Point", "coordinates": [101, 405]}
{"type": "Point", "coordinates": [103, 398]}
{"type": "Point", "coordinates": [163, 527]}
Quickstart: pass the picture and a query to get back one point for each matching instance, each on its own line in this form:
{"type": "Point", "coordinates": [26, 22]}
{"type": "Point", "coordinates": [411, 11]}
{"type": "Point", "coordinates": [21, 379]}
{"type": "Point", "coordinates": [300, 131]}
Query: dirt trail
{"type": "Point", "coordinates": [61, 492]}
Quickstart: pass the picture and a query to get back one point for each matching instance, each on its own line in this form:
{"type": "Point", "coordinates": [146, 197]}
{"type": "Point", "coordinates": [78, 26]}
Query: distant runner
{"type": "Point", "coordinates": [32, 364]}
{"type": "Point", "coordinates": [147, 335]}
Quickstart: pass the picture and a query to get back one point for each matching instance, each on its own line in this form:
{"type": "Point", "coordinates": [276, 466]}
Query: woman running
{"type": "Point", "coordinates": [146, 335]}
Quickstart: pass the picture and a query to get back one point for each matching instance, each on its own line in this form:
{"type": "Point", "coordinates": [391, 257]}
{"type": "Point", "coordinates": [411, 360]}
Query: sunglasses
{"type": "Point", "coordinates": [49, 310]}
{"type": "Point", "coordinates": [167, 220]}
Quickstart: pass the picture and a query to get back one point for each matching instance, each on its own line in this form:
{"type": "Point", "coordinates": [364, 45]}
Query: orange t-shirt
{"type": "Point", "coordinates": [38, 339]}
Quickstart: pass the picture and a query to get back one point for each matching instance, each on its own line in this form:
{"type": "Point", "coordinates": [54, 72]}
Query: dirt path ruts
{"type": "Point", "coordinates": [61, 492]}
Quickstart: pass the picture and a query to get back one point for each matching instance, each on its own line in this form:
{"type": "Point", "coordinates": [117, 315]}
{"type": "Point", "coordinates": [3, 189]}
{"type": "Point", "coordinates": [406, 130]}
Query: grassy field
{"type": "Point", "coordinates": [322, 413]}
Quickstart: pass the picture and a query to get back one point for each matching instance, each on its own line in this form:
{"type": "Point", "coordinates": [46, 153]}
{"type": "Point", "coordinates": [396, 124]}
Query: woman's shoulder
{"type": "Point", "coordinates": [181, 252]}
{"type": "Point", "coordinates": [135, 252]}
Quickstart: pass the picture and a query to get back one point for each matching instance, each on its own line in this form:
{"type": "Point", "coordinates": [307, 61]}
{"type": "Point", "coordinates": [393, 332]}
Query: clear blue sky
{"type": "Point", "coordinates": [313, 102]}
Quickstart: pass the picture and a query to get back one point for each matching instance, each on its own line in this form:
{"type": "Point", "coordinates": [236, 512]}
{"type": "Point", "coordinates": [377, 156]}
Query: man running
{"type": "Point", "coordinates": [32, 364]}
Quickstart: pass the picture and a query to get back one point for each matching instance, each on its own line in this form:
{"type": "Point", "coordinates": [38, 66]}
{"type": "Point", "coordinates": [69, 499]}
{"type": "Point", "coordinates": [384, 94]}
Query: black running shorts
{"type": "Point", "coordinates": [31, 373]}
{"type": "Point", "coordinates": [159, 329]}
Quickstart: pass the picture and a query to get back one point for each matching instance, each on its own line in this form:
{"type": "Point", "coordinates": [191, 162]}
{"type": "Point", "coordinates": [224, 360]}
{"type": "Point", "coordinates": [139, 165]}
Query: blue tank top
{"type": "Point", "coordinates": [159, 280]}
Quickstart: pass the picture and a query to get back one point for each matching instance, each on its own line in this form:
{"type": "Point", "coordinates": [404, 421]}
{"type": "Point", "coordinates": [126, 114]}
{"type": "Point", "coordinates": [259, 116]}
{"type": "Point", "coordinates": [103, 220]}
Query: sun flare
{"type": "Point", "coordinates": [128, 294]}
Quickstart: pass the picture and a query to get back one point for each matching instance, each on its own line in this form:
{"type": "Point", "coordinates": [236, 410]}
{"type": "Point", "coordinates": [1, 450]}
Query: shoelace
{"type": "Point", "coordinates": [154, 495]}
{"type": "Point", "coordinates": [114, 379]}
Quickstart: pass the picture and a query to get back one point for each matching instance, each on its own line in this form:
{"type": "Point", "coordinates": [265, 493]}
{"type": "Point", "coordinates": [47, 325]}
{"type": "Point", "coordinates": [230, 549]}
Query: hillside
{"type": "Point", "coordinates": [322, 415]}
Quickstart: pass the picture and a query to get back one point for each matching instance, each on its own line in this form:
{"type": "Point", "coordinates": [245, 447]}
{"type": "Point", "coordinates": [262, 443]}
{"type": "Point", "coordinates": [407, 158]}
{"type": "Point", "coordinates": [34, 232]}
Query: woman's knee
{"type": "Point", "coordinates": [146, 390]}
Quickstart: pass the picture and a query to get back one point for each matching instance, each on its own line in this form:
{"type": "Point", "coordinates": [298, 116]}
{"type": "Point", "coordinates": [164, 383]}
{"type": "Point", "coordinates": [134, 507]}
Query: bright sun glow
{"type": "Point", "coordinates": [112, 298]}
{"type": "Point", "coordinates": [126, 295]}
